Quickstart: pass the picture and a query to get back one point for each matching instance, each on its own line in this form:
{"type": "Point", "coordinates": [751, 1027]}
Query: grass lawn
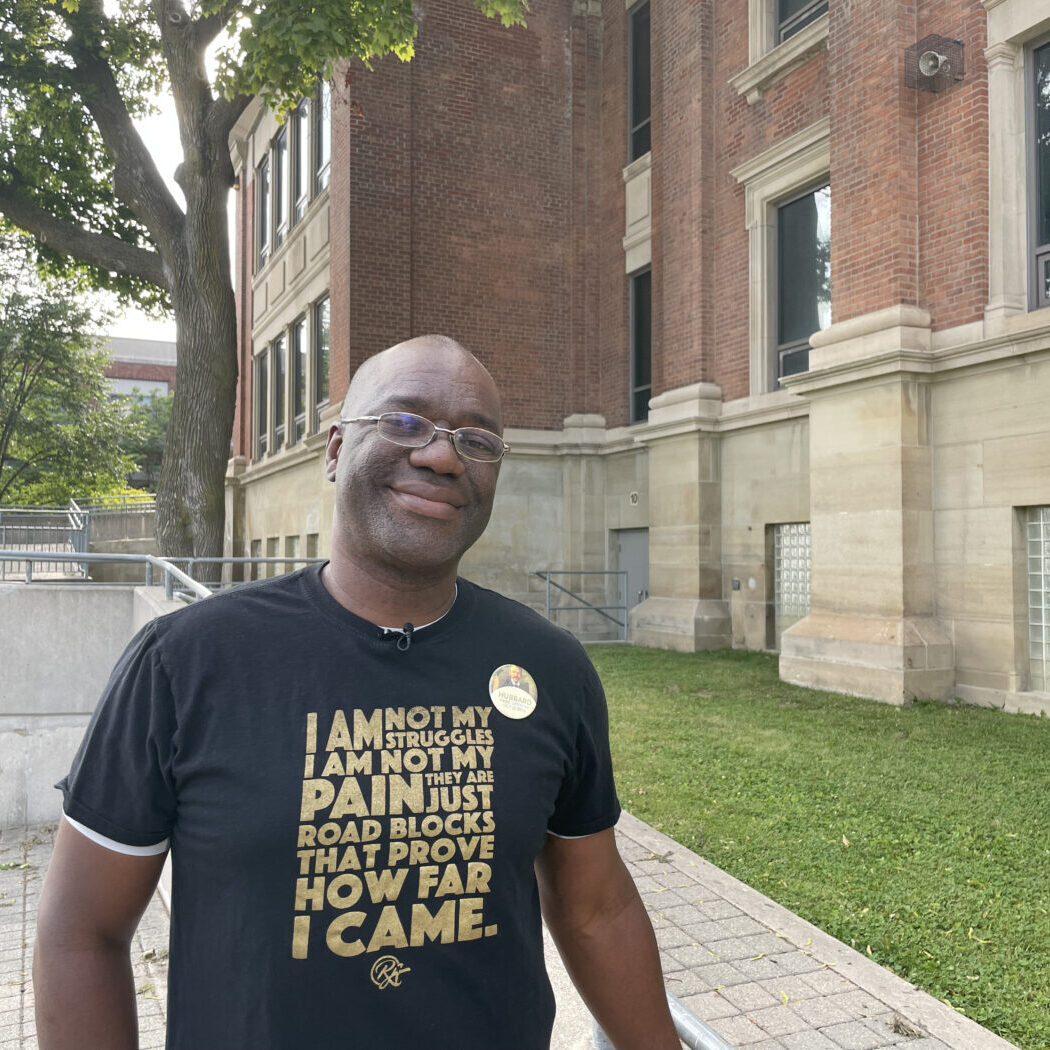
{"type": "Point", "coordinates": [919, 835]}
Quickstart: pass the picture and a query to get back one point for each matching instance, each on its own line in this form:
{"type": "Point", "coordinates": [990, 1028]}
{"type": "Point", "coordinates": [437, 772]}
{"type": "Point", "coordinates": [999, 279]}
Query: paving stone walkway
{"type": "Point", "coordinates": [757, 975]}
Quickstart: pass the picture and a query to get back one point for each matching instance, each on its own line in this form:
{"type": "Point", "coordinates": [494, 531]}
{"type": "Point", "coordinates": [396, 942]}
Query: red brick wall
{"type": "Point", "coordinates": [137, 370]}
{"type": "Point", "coordinates": [953, 173]}
{"type": "Point", "coordinates": [460, 200]}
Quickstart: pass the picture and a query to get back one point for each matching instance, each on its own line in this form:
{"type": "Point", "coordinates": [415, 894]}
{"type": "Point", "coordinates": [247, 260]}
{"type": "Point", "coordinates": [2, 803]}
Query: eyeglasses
{"type": "Point", "coordinates": [412, 431]}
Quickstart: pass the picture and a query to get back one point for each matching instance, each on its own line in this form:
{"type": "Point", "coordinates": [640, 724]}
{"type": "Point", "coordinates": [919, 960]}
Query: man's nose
{"type": "Point", "coordinates": [439, 455]}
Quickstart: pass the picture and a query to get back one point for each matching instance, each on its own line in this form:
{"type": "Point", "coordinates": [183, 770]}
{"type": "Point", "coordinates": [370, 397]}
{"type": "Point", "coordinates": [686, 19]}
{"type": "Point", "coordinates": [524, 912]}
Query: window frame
{"type": "Point", "coordinates": [786, 28]}
{"type": "Point", "coordinates": [645, 125]}
{"type": "Point", "coordinates": [262, 212]}
{"type": "Point", "coordinates": [789, 167]}
{"type": "Point", "coordinates": [1038, 255]}
{"type": "Point", "coordinates": [322, 133]}
{"type": "Point", "coordinates": [636, 388]}
{"type": "Point", "coordinates": [301, 165]}
{"type": "Point", "coordinates": [794, 346]}
{"type": "Point", "coordinates": [281, 186]}
{"type": "Point", "coordinates": [298, 360]}
{"type": "Point", "coordinates": [261, 389]}
{"type": "Point", "coordinates": [279, 383]}
{"type": "Point", "coordinates": [319, 363]}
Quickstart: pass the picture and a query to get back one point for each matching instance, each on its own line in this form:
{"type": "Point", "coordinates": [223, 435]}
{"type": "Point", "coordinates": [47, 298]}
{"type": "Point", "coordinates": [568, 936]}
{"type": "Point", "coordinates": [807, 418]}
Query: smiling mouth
{"type": "Point", "coordinates": [433, 504]}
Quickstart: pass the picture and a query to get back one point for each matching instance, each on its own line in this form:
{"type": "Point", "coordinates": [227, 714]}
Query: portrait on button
{"type": "Point", "coordinates": [513, 691]}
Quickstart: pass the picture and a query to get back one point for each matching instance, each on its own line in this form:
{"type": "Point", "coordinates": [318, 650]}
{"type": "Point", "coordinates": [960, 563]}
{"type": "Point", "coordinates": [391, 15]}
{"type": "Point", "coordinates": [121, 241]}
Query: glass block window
{"type": "Point", "coordinates": [791, 572]}
{"type": "Point", "coordinates": [1037, 542]}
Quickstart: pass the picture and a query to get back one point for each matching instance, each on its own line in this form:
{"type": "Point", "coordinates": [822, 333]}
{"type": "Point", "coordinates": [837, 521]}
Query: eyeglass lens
{"type": "Point", "coordinates": [405, 428]}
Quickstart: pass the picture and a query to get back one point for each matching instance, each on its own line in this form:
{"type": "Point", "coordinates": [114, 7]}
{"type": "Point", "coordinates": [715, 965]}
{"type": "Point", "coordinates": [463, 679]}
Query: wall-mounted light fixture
{"type": "Point", "coordinates": [934, 63]}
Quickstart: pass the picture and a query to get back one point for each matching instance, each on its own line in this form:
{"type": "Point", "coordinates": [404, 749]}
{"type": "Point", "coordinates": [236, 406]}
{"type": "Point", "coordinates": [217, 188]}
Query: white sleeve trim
{"type": "Point", "coordinates": [117, 847]}
{"type": "Point", "coordinates": [557, 836]}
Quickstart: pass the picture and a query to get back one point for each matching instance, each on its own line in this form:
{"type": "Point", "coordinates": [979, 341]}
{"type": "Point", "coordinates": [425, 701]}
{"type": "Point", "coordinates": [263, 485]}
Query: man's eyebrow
{"type": "Point", "coordinates": [396, 402]}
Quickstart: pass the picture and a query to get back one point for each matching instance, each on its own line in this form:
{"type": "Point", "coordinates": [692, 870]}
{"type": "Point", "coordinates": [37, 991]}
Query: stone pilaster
{"type": "Point", "coordinates": [686, 610]}
{"type": "Point", "coordinates": [872, 628]}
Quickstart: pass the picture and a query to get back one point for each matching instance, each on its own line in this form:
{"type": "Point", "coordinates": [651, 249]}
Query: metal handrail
{"type": "Point", "coordinates": [150, 561]}
{"type": "Point", "coordinates": [693, 1032]}
{"type": "Point", "coordinates": [546, 574]}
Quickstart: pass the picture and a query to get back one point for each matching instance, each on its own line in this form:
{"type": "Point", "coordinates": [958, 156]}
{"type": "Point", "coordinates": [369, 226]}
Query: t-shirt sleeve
{"type": "Point", "coordinates": [121, 784]}
{"type": "Point", "coordinates": [587, 802]}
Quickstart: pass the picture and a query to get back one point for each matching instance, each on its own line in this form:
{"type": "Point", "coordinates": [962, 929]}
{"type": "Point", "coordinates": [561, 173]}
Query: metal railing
{"type": "Point", "coordinates": [288, 561]}
{"type": "Point", "coordinates": [690, 1029]}
{"type": "Point", "coordinates": [172, 574]}
{"type": "Point", "coordinates": [45, 531]}
{"type": "Point", "coordinates": [582, 604]}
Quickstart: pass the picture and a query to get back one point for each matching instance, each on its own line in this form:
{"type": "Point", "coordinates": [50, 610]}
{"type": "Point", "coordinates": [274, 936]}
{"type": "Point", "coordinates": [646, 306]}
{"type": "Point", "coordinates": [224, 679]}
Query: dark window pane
{"type": "Point", "coordinates": [1041, 130]}
{"type": "Point", "coordinates": [323, 137]}
{"type": "Point", "coordinates": [320, 344]}
{"type": "Point", "coordinates": [300, 159]}
{"type": "Point", "coordinates": [792, 15]}
{"type": "Point", "coordinates": [280, 186]}
{"type": "Point", "coordinates": [641, 345]}
{"type": "Point", "coordinates": [804, 266]}
{"type": "Point", "coordinates": [299, 378]}
{"type": "Point", "coordinates": [262, 212]}
{"type": "Point", "coordinates": [261, 404]}
{"type": "Point", "coordinates": [280, 371]}
{"type": "Point", "coordinates": [639, 81]}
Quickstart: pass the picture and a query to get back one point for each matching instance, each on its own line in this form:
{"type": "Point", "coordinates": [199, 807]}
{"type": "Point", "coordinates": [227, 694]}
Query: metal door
{"type": "Point", "coordinates": [631, 549]}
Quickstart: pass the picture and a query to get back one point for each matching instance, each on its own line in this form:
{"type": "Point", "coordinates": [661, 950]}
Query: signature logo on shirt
{"type": "Point", "coordinates": [387, 971]}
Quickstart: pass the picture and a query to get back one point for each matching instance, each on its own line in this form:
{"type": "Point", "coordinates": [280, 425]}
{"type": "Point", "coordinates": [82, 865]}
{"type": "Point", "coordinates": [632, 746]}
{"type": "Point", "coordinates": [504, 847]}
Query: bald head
{"type": "Point", "coordinates": [383, 371]}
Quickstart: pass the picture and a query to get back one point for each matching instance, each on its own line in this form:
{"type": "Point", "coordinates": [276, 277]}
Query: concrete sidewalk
{"type": "Point", "coordinates": [755, 973]}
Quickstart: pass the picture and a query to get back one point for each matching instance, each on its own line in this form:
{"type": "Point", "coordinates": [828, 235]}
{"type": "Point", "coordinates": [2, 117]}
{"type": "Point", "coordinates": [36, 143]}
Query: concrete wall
{"type": "Point", "coordinates": [58, 644]}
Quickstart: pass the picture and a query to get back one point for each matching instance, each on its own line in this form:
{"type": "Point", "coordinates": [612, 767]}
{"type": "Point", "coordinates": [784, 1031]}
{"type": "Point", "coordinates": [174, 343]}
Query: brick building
{"type": "Point", "coordinates": [766, 284]}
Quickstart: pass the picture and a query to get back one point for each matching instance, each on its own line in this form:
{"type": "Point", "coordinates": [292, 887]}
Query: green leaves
{"type": "Point", "coordinates": [58, 428]}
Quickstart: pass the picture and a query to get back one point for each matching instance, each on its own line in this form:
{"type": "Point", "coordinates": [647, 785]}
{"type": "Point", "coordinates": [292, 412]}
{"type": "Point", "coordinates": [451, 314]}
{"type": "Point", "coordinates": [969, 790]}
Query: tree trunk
{"type": "Point", "coordinates": [191, 493]}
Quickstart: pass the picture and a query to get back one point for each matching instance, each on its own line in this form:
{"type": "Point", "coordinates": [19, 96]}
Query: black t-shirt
{"type": "Point", "coordinates": [353, 825]}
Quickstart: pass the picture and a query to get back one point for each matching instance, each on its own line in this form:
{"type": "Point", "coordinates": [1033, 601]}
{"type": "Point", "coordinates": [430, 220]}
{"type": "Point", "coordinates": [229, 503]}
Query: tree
{"type": "Point", "coordinates": [145, 436]}
{"type": "Point", "coordinates": [75, 174]}
{"type": "Point", "coordinates": [59, 430]}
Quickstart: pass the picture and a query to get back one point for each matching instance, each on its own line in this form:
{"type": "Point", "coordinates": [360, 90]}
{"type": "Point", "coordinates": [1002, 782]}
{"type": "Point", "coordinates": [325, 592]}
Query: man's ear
{"type": "Point", "coordinates": [331, 450]}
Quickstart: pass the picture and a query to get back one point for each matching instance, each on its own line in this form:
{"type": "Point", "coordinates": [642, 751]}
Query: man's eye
{"type": "Point", "coordinates": [404, 423]}
{"type": "Point", "coordinates": [477, 441]}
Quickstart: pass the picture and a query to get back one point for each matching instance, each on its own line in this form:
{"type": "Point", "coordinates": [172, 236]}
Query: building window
{"type": "Point", "coordinates": [311, 544]}
{"type": "Point", "coordinates": [291, 552]}
{"type": "Point", "coordinates": [280, 187]}
{"type": "Point", "coordinates": [298, 380]}
{"type": "Point", "coordinates": [779, 176]}
{"type": "Point", "coordinates": [262, 213]}
{"type": "Point", "coordinates": [641, 344]}
{"type": "Point", "coordinates": [1037, 537]}
{"type": "Point", "coordinates": [323, 137]}
{"type": "Point", "coordinates": [300, 159]}
{"type": "Point", "coordinates": [272, 543]}
{"type": "Point", "coordinates": [320, 354]}
{"type": "Point", "coordinates": [262, 404]}
{"type": "Point", "coordinates": [803, 277]}
{"type": "Point", "coordinates": [1039, 136]}
{"type": "Point", "coordinates": [280, 378]}
{"type": "Point", "coordinates": [791, 574]}
{"type": "Point", "coordinates": [793, 15]}
{"type": "Point", "coordinates": [638, 81]}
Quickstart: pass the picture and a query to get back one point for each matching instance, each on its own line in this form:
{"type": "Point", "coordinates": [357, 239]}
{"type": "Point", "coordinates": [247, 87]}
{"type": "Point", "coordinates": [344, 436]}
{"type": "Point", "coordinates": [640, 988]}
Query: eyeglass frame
{"type": "Point", "coordinates": [442, 430]}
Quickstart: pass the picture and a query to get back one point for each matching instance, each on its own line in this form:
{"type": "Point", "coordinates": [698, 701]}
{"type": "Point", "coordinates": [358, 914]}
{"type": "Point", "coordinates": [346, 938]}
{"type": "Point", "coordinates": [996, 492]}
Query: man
{"type": "Point", "coordinates": [361, 826]}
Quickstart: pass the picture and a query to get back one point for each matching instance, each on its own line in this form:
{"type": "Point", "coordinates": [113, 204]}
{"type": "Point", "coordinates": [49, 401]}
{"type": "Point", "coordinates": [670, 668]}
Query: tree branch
{"type": "Point", "coordinates": [95, 249]}
{"type": "Point", "coordinates": [136, 179]}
